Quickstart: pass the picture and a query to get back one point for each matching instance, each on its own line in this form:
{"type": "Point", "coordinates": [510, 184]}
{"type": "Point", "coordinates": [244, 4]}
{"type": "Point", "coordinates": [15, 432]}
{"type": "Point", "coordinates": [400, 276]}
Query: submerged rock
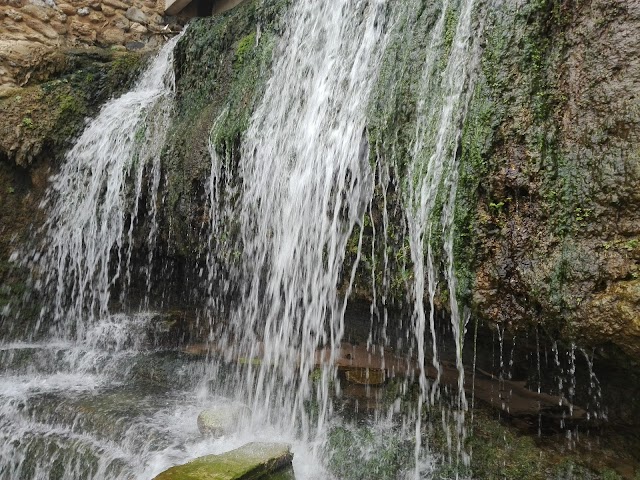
{"type": "Point", "coordinates": [254, 460]}
{"type": "Point", "coordinates": [221, 419]}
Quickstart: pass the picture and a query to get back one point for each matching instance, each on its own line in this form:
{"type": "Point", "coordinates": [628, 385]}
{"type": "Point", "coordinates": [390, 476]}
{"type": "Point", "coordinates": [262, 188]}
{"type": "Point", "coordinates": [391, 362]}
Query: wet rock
{"type": "Point", "coordinates": [366, 376]}
{"type": "Point", "coordinates": [221, 419]}
{"type": "Point", "coordinates": [136, 15]}
{"type": "Point", "coordinates": [133, 46]}
{"type": "Point", "coordinates": [253, 460]}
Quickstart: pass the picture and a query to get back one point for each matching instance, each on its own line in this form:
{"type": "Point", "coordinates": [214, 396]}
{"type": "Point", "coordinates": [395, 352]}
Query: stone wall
{"type": "Point", "coordinates": [35, 32]}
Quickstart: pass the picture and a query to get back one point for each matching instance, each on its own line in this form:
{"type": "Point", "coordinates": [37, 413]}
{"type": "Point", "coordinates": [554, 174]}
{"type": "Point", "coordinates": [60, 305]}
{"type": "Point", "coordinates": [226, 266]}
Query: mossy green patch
{"type": "Point", "coordinates": [254, 461]}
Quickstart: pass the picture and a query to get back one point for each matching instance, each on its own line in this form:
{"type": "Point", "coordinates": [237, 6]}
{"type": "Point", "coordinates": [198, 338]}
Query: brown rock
{"type": "Point", "coordinates": [83, 30]}
{"type": "Point", "coordinates": [39, 13]}
{"type": "Point", "coordinates": [96, 17]}
{"type": "Point", "coordinates": [112, 36]}
{"type": "Point", "coordinates": [117, 4]}
{"type": "Point", "coordinates": [42, 28]}
{"type": "Point", "coordinates": [67, 9]}
{"type": "Point", "coordinates": [97, 6]}
{"type": "Point", "coordinates": [13, 15]}
{"type": "Point", "coordinates": [59, 16]}
{"type": "Point", "coordinates": [60, 28]}
{"type": "Point", "coordinates": [108, 11]}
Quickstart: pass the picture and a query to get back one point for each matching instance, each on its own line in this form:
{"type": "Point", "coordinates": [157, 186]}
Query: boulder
{"type": "Point", "coordinates": [136, 15]}
{"type": "Point", "coordinates": [221, 419]}
{"type": "Point", "coordinates": [254, 460]}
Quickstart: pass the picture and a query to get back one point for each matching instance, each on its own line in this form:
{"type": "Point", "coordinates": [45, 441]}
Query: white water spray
{"type": "Point", "coordinates": [306, 185]}
{"type": "Point", "coordinates": [94, 203]}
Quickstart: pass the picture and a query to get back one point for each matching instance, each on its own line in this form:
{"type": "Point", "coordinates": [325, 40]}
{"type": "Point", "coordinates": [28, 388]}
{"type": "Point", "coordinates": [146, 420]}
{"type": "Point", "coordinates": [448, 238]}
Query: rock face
{"type": "Point", "coordinates": [556, 217]}
{"type": "Point", "coordinates": [254, 461]}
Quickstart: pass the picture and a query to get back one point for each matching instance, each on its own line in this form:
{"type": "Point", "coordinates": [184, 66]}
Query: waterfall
{"type": "Point", "coordinates": [94, 203]}
{"type": "Point", "coordinates": [306, 181]}
{"type": "Point", "coordinates": [444, 95]}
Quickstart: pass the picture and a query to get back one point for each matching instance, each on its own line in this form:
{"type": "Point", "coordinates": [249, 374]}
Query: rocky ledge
{"type": "Point", "coordinates": [252, 461]}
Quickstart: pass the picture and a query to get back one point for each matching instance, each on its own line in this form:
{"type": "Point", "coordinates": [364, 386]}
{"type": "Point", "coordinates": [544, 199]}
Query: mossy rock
{"type": "Point", "coordinates": [253, 461]}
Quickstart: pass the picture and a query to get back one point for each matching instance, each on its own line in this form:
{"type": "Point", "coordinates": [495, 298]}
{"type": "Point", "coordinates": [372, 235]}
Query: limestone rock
{"type": "Point", "coordinates": [67, 9]}
{"type": "Point", "coordinates": [117, 4]}
{"type": "Point", "coordinates": [253, 460]}
{"type": "Point", "coordinates": [137, 28]}
{"type": "Point", "coordinates": [40, 13]}
{"type": "Point", "coordinates": [111, 36]}
{"type": "Point", "coordinates": [96, 17]}
{"type": "Point", "coordinates": [136, 15]}
{"type": "Point", "coordinates": [221, 419]}
{"type": "Point", "coordinates": [83, 30]}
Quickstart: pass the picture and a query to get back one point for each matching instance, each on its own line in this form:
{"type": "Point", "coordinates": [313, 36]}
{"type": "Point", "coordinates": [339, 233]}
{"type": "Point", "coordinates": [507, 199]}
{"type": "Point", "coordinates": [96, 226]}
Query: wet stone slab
{"type": "Point", "coordinates": [253, 461]}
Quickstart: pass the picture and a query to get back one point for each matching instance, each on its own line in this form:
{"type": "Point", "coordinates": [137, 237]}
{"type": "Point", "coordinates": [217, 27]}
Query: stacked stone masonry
{"type": "Point", "coordinates": [33, 32]}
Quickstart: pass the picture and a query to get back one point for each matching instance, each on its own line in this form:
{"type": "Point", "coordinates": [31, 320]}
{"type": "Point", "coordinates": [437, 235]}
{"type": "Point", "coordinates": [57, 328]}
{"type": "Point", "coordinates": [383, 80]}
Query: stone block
{"type": "Point", "coordinates": [136, 15]}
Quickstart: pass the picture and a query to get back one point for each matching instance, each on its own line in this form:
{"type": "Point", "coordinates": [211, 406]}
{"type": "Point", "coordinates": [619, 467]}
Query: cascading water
{"type": "Point", "coordinates": [93, 204]}
{"type": "Point", "coordinates": [306, 182]}
{"type": "Point", "coordinates": [95, 400]}
{"type": "Point", "coordinates": [432, 175]}
{"type": "Point", "coordinates": [68, 409]}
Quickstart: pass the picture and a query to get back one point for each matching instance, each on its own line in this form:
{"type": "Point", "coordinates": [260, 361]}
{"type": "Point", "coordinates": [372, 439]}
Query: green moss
{"type": "Point", "coordinates": [221, 68]}
{"type": "Point", "coordinates": [362, 453]}
{"type": "Point", "coordinates": [245, 47]}
{"type": "Point", "coordinates": [252, 461]}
